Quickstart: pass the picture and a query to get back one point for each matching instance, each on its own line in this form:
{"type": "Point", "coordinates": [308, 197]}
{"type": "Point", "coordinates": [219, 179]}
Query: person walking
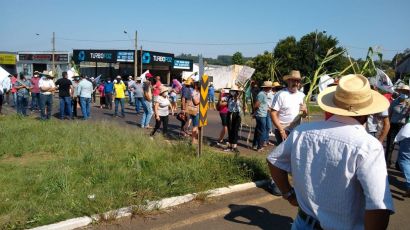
{"type": "Point", "coordinates": [161, 111]}
{"type": "Point", "coordinates": [234, 118]}
{"type": "Point", "coordinates": [211, 96]}
{"type": "Point", "coordinates": [108, 91]}
{"type": "Point", "coordinates": [35, 91]}
{"type": "Point", "coordinates": [193, 111]}
{"type": "Point", "coordinates": [131, 90]}
{"type": "Point", "coordinates": [85, 90]}
{"type": "Point", "coordinates": [186, 97]}
{"type": "Point", "coordinates": [47, 88]}
{"type": "Point", "coordinates": [261, 112]}
{"type": "Point", "coordinates": [339, 174]}
{"type": "Point", "coordinates": [119, 92]}
{"type": "Point", "coordinates": [23, 87]}
{"type": "Point", "coordinates": [65, 93]}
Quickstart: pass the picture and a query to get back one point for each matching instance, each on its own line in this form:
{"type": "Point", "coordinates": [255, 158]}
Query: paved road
{"type": "Point", "coordinates": [250, 209]}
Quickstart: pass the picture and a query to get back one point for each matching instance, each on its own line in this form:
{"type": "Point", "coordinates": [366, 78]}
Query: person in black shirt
{"type": "Point", "coordinates": [65, 92]}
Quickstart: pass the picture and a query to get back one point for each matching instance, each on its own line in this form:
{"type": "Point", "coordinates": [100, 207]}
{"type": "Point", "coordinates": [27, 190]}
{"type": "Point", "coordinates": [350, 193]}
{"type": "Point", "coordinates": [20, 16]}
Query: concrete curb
{"type": "Point", "coordinates": [151, 205]}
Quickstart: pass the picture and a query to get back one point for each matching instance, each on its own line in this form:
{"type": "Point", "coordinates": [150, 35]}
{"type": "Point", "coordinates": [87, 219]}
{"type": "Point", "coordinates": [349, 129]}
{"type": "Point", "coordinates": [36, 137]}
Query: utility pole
{"type": "Point", "coordinates": [136, 55]}
{"type": "Point", "coordinates": [53, 53]}
{"type": "Point", "coordinates": [141, 61]}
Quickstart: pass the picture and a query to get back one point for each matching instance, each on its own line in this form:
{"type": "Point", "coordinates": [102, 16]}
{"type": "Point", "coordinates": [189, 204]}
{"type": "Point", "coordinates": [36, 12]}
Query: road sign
{"type": "Point", "coordinates": [203, 105]}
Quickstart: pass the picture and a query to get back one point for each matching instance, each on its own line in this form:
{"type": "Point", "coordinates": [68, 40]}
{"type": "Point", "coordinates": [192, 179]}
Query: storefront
{"type": "Point", "coordinates": [8, 62]}
{"type": "Point", "coordinates": [110, 63]}
{"type": "Point", "coordinates": [28, 62]}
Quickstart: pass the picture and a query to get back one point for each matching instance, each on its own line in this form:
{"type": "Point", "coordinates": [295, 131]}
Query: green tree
{"type": "Point", "coordinates": [265, 66]}
{"type": "Point", "coordinates": [237, 59]}
{"type": "Point", "coordinates": [287, 52]}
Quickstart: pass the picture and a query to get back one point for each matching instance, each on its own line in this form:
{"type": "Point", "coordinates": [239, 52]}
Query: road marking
{"type": "Point", "coordinates": [215, 213]}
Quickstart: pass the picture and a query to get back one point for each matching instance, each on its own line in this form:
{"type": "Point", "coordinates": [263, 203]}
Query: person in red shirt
{"type": "Point", "coordinates": [35, 91]}
{"type": "Point", "coordinates": [156, 87]}
{"type": "Point", "coordinates": [14, 90]}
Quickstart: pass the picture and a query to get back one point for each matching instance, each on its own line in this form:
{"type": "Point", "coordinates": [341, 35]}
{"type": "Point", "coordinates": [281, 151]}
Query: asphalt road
{"type": "Point", "coordinates": [251, 209]}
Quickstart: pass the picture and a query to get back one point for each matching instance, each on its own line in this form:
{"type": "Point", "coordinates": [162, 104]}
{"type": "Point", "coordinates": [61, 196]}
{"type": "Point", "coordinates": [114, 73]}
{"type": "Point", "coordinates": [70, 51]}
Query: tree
{"type": "Point", "coordinates": [287, 52]}
{"type": "Point", "coordinates": [265, 66]}
{"type": "Point", "coordinates": [237, 59]}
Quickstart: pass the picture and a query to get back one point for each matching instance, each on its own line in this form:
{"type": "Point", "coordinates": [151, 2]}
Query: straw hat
{"type": "Point", "coordinates": [189, 81]}
{"type": "Point", "coordinates": [275, 84]}
{"type": "Point", "coordinates": [403, 88]}
{"type": "Point", "coordinates": [294, 74]}
{"type": "Point", "coordinates": [352, 97]}
{"type": "Point", "coordinates": [48, 74]}
{"type": "Point", "coordinates": [138, 79]}
{"type": "Point", "coordinates": [163, 89]}
{"type": "Point", "coordinates": [267, 84]}
{"type": "Point", "coordinates": [236, 88]}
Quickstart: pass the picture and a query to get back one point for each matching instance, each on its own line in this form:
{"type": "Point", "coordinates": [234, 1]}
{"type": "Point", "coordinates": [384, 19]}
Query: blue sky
{"type": "Point", "coordinates": [357, 24]}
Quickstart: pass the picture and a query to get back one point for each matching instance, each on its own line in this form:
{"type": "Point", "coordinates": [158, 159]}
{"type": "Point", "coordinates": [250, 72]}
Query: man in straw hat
{"type": "Point", "coordinates": [47, 88]}
{"type": "Point", "coordinates": [260, 107]}
{"type": "Point", "coordinates": [338, 169]}
{"type": "Point", "coordinates": [288, 104]}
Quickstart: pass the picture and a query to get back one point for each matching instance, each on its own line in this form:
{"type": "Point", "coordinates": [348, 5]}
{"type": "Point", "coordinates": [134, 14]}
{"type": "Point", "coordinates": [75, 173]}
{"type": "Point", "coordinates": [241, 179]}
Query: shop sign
{"type": "Point", "coordinates": [125, 56]}
{"type": "Point", "coordinates": [95, 55]}
{"type": "Point", "coordinates": [183, 64]}
{"type": "Point", "coordinates": [7, 59]}
{"type": "Point", "coordinates": [44, 57]}
{"type": "Point", "coordinates": [156, 58]}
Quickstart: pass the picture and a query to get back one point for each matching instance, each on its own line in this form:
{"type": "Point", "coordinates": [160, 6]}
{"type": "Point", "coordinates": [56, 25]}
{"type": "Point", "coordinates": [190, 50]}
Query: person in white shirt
{"type": "Point", "coordinates": [85, 90]}
{"type": "Point", "coordinates": [161, 111]}
{"type": "Point", "coordinates": [339, 173]}
{"type": "Point", "coordinates": [47, 88]}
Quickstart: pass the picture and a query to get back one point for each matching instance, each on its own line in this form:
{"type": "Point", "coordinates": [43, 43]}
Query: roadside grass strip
{"type": "Point", "coordinates": [53, 171]}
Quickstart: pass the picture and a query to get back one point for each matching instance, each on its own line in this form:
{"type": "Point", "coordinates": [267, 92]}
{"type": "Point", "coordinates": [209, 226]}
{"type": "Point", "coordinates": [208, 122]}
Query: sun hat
{"type": "Point", "coordinates": [266, 84]}
{"type": "Point", "coordinates": [352, 97]}
{"type": "Point", "coordinates": [119, 77]}
{"type": "Point", "coordinates": [294, 74]}
{"type": "Point", "coordinates": [403, 88]}
{"type": "Point", "coordinates": [189, 81]}
{"type": "Point", "coordinates": [236, 88]}
{"type": "Point", "coordinates": [275, 84]}
{"type": "Point", "coordinates": [163, 89]}
{"type": "Point", "coordinates": [138, 79]}
{"type": "Point", "coordinates": [48, 74]}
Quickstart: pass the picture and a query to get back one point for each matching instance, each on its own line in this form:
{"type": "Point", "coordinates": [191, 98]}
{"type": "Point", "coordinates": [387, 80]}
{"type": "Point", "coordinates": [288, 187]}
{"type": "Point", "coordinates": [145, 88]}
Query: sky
{"type": "Point", "coordinates": [207, 27]}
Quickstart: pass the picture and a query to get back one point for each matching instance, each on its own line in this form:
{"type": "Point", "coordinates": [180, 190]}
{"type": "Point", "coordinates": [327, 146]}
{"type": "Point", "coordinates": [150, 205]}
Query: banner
{"type": "Point", "coordinates": [7, 59]}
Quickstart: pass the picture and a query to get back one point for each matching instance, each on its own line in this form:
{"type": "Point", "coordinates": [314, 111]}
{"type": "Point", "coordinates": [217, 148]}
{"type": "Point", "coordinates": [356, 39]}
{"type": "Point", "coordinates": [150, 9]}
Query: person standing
{"type": "Point", "coordinates": [398, 114]}
{"type": "Point", "coordinates": [193, 110]}
{"type": "Point", "coordinates": [130, 90]}
{"type": "Point", "coordinates": [261, 112]}
{"type": "Point", "coordinates": [47, 88]}
{"type": "Point", "coordinates": [13, 90]}
{"type": "Point", "coordinates": [1, 96]}
{"type": "Point", "coordinates": [65, 93]}
{"type": "Point", "coordinates": [22, 87]}
{"type": "Point", "coordinates": [6, 89]}
{"type": "Point", "coordinates": [35, 92]}
{"type": "Point", "coordinates": [119, 91]}
{"type": "Point", "coordinates": [161, 111]}
{"type": "Point", "coordinates": [186, 97]}
{"type": "Point", "coordinates": [156, 87]}
{"type": "Point", "coordinates": [108, 91]}
{"type": "Point", "coordinates": [234, 118]}
{"type": "Point", "coordinates": [147, 104]}
{"type": "Point", "coordinates": [287, 107]}
{"type": "Point", "coordinates": [338, 170]}
{"type": "Point", "coordinates": [223, 110]}
{"type": "Point", "coordinates": [403, 160]}
{"type": "Point", "coordinates": [85, 90]}
{"type": "Point", "coordinates": [173, 100]}
{"type": "Point", "coordinates": [211, 96]}
{"type": "Point", "coordinates": [75, 100]}
{"type": "Point", "coordinates": [138, 94]}
{"type": "Point", "coordinates": [101, 93]}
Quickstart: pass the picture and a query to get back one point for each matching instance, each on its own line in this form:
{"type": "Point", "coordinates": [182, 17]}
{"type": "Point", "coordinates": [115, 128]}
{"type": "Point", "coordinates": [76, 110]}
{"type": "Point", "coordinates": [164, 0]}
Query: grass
{"type": "Point", "coordinates": [51, 171]}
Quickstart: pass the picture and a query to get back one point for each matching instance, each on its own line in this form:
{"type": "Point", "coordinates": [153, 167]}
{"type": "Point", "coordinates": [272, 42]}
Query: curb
{"type": "Point", "coordinates": [151, 205]}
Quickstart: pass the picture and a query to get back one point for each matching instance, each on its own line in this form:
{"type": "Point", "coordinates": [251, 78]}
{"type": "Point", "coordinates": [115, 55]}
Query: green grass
{"type": "Point", "coordinates": [48, 170]}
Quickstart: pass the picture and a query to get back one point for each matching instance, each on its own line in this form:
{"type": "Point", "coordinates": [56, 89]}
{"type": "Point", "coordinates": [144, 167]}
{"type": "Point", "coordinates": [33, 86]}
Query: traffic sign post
{"type": "Point", "coordinates": [203, 104]}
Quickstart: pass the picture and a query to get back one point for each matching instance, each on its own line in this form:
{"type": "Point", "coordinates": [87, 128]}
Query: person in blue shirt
{"type": "Point", "coordinates": [108, 90]}
{"type": "Point", "coordinates": [211, 96]}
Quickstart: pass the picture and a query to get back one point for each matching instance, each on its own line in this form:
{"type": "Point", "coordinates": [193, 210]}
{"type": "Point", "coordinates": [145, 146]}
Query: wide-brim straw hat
{"type": "Point", "coordinates": [48, 74]}
{"type": "Point", "coordinates": [236, 88]}
{"type": "Point", "coordinates": [189, 81]}
{"type": "Point", "coordinates": [403, 88]}
{"type": "Point", "coordinates": [352, 97]}
{"type": "Point", "coordinates": [138, 79]}
{"type": "Point", "coordinates": [294, 74]}
{"type": "Point", "coordinates": [267, 84]}
{"type": "Point", "coordinates": [163, 89]}
{"type": "Point", "coordinates": [275, 84]}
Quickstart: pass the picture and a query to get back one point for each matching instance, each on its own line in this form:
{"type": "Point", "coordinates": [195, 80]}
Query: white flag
{"type": "Point", "coordinates": [383, 81]}
{"type": "Point", "coordinates": [324, 82]}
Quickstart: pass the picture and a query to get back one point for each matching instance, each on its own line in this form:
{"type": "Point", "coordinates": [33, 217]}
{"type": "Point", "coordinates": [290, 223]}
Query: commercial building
{"type": "Point", "coordinates": [28, 62]}
{"type": "Point", "coordinates": [8, 61]}
{"type": "Point", "coordinates": [110, 63]}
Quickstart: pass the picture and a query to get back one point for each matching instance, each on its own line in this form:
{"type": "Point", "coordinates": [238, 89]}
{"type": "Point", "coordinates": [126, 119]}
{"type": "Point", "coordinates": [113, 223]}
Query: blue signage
{"type": "Point", "coordinates": [146, 58]}
{"type": "Point", "coordinates": [182, 64]}
{"type": "Point", "coordinates": [125, 56]}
